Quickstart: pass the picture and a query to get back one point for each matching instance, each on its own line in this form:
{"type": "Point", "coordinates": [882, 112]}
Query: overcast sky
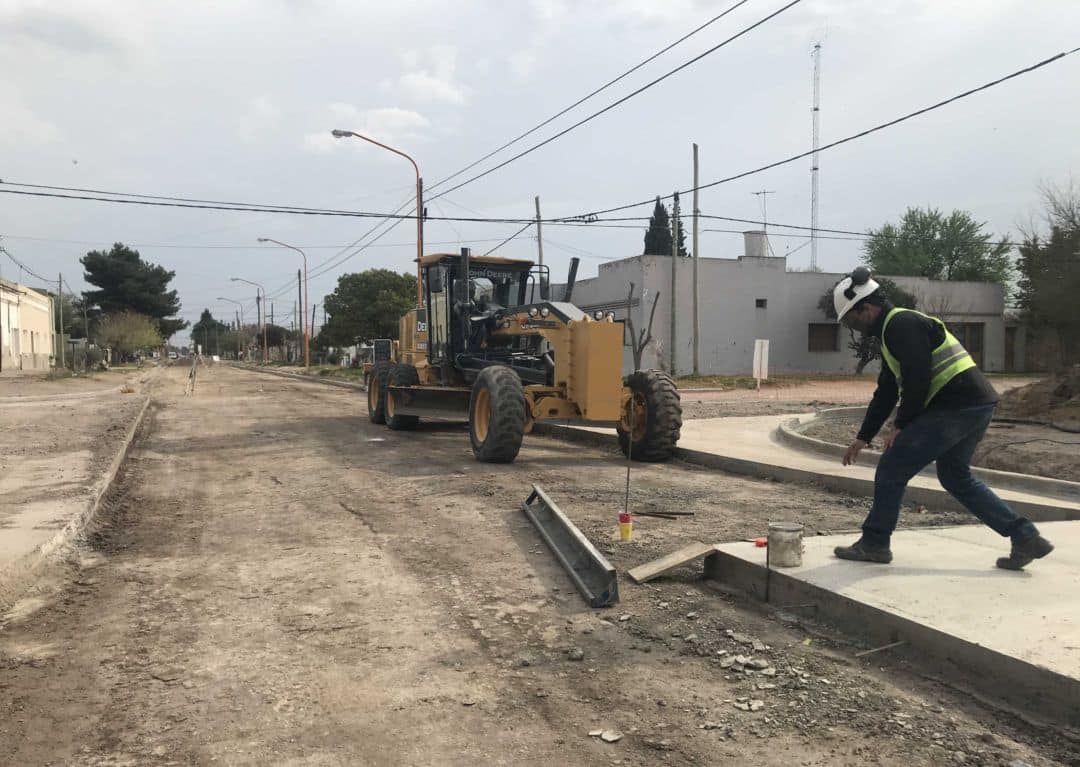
{"type": "Point", "coordinates": [235, 101]}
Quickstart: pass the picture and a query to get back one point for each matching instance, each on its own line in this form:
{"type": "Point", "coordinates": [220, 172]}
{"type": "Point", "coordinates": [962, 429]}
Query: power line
{"type": "Point", "coordinates": [251, 208]}
{"type": "Point", "coordinates": [585, 98]}
{"type": "Point", "coordinates": [515, 234]}
{"type": "Point", "coordinates": [178, 246]}
{"type": "Point", "coordinates": [23, 266]}
{"type": "Point", "coordinates": [853, 137]}
{"type": "Point", "coordinates": [623, 100]}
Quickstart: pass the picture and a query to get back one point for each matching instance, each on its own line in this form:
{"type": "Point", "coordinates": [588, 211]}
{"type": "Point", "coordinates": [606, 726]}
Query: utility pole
{"type": "Point", "coordinates": [258, 312]}
{"type": "Point", "coordinates": [816, 114]}
{"type": "Point", "coordinates": [60, 298]}
{"type": "Point", "coordinates": [239, 331]}
{"type": "Point", "coordinates": [697, 212]}
{"type": "Point", "coordinates": [539, 235]}
{"type": "Point", "coordinates": [86, 332]}
{"type": "Point", "coordinates": [674, 276]}
{"type": "Point", "coordinates": [298, 314]}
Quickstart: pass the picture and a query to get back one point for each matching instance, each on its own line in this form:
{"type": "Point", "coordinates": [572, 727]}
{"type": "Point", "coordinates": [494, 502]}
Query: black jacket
{"type": "Point", "coordinates": [912, 338]}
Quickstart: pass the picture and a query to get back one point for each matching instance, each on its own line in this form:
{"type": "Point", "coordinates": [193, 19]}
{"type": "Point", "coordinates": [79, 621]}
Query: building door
{"type": "Point", "coordinates": [970, 335]}
{"type": "Point", "coordinates": [1010, 349]}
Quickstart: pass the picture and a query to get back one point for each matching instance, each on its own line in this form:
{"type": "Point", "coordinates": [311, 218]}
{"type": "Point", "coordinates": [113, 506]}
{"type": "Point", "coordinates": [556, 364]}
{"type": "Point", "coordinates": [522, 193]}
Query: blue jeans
{"type": "Point", "coordinates": [949, 437]}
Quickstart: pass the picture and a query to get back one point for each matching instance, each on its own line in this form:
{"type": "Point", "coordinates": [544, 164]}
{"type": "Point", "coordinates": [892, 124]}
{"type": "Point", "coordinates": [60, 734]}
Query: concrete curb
{"type": "Point", "coordinates": [1029, 687]}
{"type": "Point", "coordinates": [301, 377]}
{"type": "Point", "coordinates": [923, 496]}
{"type": "Point", "coordinates": [790, 432]}
{"type": "Point", "coordinates": [18, 577]}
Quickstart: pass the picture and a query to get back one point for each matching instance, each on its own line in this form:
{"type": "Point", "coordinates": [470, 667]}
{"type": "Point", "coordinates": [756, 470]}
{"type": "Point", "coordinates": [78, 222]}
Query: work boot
{"type": "Point", "coordinates": [860, 551]}
{"type": "Point", "coordinates": [1035, 547]}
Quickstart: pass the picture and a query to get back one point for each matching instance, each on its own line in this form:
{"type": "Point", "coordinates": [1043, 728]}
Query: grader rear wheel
{"type": "Point", "coordinates": [497, 415]}
{"type": "Point", "coordinates": [651, 422]}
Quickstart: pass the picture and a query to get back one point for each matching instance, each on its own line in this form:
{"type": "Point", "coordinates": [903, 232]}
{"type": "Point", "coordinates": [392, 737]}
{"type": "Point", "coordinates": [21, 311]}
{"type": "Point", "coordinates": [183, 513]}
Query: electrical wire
{"type": "Point", "coordinates": [622, 100]}
{"type": "Point", "coordinates": [23, 266]}
{"type": "Point", "coordinates": [511, 237]}
{"type": "Point", "coordinates": [847, 139]}
{"type": "Point", "coordinates": [178, 246]}
{"type": "Point", "coordinates": [585, 98]}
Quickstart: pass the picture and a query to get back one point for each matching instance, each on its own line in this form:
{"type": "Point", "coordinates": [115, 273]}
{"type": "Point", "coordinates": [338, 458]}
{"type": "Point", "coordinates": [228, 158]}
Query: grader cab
{"type": "Point", "coordinates": [489, 346]}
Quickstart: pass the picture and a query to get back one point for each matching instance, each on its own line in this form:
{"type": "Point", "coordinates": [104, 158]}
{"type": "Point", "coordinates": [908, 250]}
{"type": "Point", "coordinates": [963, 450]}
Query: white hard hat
{"type": "Point", "coordinates": [852, 289]}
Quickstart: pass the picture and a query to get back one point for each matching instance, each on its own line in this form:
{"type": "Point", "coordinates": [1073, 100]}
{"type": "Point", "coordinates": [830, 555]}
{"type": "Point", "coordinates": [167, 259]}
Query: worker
{"type": "Point", "coordinates": [945, 407]}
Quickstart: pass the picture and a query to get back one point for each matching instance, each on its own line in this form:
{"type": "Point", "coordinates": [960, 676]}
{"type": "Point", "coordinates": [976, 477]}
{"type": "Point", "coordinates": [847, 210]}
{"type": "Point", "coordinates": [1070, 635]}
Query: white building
{"type": "Point", "coordinates": [27, 341]}
{"type": "Point", "coordinates": [755, 296]}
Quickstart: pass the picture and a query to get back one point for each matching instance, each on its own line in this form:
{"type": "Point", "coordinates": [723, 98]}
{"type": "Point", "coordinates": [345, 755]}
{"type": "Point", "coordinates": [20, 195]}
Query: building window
{"type": "Point", "coordinates": [824, 337]}
{"type": "Point", "coordinates": [760, 303]}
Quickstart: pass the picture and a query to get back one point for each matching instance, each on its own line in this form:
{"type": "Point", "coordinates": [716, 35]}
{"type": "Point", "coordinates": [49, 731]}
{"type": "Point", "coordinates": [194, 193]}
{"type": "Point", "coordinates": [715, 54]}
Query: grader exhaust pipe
{"type": "Point", "coordinates": [571, 278]}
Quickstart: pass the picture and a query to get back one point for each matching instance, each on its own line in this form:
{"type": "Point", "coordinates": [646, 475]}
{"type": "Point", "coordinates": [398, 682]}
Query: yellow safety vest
{"type": "Point", "coordinates": [946, 362]}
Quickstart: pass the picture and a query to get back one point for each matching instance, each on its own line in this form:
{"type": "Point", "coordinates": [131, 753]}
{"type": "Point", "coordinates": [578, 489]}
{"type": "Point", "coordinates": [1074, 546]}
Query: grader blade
{"type": "Point", "coordinates": [590, 571]}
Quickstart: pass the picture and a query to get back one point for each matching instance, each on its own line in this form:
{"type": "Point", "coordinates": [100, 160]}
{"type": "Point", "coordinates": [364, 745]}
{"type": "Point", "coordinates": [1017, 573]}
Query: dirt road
{"type": "Point", "coordinates": [278, 581]}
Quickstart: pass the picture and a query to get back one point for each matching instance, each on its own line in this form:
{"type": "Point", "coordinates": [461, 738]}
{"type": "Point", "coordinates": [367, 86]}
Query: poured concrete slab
{"type": "Point", "coordinates": [1015, 635]}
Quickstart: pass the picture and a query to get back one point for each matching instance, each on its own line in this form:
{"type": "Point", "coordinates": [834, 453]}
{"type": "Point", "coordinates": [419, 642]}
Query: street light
{"type": "Point", "coordinates": [239, 330]}
{"type": "Point", "coordinates": [419, 199]}
{"type": "Point", "coordinates": [307, 358]}
{"type": "Point", "coordinates": [262, 308]}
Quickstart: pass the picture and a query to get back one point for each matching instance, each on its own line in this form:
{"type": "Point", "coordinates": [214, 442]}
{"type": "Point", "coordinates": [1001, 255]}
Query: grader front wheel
{"type": "Point", "coordinates": [376, 393]}
{"type": "Point", "coordinates": [652, 419]}
{"type": "Point", "coordinates": [497, 415]}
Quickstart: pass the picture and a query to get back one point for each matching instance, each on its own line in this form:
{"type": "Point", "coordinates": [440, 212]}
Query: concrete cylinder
{"type": "Point", "coordinates": [785, 544]}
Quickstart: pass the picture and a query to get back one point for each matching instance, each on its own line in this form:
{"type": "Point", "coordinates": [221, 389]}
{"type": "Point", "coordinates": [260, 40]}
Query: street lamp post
{"type": "Point", "coordinates": [239, 330]}
{"type": "Point", "coordinates": [419, 200]}
{"type": "Point", "coordinates": [307, 357]}
{"type": "Point", "coordinates": [262, 311]}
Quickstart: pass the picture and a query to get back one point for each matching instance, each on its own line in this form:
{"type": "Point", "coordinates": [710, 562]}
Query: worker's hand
{"type": "Point", "coordinates": [889, 439]}
{"type": "Point", "coordinates": [853, 451]}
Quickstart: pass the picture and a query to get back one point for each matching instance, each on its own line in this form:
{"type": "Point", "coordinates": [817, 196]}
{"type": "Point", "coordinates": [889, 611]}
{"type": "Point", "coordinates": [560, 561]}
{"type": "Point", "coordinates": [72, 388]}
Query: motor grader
{"type": "Point", "coordinates": [489, 346]}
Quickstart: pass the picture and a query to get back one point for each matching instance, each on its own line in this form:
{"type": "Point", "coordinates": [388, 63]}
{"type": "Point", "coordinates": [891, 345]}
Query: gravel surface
{"type": "Point", "coordinates": [279, 581]}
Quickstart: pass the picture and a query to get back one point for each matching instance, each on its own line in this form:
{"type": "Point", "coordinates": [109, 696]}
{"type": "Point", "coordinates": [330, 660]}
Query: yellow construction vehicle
{"type": "Point", "coordinates": [490, 347]}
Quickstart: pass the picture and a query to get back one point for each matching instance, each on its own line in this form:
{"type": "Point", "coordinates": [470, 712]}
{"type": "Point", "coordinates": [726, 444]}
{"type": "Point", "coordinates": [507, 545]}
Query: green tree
{"type": "Point", "coordinates": [929, 244]}
{"type": "Point", "coordinates": [867, 348]}
{"type": "Point", "coordinates": [126, 283]}
{"type": "Point", "coordinates": [681, 230]}
{"type": "Point", "coordinates": [213, 334]}
{"type": "Point", "coordinates": [658, 235]}
{"type": "Point", "coordinates": [1049, 269]}
{"type": "Point", "coordinates": [71, 311]}
{"type": "Point", "coordinates": [367, 305]}
{"type": "Point", "coordinates": [128, 333]}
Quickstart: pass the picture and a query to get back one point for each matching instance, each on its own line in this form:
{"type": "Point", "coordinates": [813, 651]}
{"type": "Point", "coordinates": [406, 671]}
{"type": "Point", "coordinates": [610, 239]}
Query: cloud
{"type": "Point", "coordinates": [388, 125]}
{"type": "Point", "coordinates": [21, 126]}
{"type": "Point", "coordinates": [264, 110]}
{"type": "Point", "coordinates": [523, 62]}
{"type": "Point", "coordinates": [46, 27]}
{"type": "Point", "coordinates": [431, 77]}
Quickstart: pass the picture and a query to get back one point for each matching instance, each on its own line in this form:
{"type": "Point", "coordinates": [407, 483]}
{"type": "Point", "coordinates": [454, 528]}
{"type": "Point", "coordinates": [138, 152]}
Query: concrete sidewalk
{"type": "Point", "coordinates": [1015, 635]}
{"type": "Point", "coordinates": [53, 486]}
{"type": "Point", "coordinates": [749, 445]}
